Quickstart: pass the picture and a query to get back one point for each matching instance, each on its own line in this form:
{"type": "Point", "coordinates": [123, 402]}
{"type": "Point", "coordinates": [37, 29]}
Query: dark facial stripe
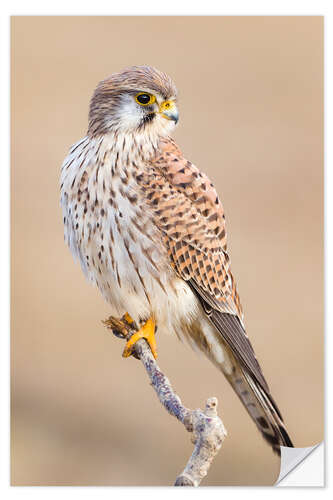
{"type": "Point", "coordinates": [148, 118]}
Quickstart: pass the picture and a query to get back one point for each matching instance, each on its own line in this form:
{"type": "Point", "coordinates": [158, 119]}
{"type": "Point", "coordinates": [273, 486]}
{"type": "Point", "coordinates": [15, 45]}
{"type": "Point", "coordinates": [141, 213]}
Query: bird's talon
{"type": "Point", "coordinates": [147, 332]}
{"type": "Point", "coordinates": [128, 319]}
{"type": "Point", "coordinates": [117, 326]}
{"type": "Point", "coordinates": [118, 334]}
{"type": "Point", "coordinates": [121, 328]}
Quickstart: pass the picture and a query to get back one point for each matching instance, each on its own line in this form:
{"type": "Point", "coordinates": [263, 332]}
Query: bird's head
{"type": "Point", "coordinates": [140, 98]}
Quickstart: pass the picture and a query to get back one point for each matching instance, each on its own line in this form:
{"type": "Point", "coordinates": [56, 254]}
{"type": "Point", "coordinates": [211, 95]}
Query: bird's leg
{"type": "Point", "coordinates": [147, 331]}
{"type": "Point", "coordinates": [125, 326]}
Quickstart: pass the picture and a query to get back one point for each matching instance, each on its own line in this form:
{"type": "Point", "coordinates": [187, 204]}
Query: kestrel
{"type": "Point", "coordinates": [148, 228]}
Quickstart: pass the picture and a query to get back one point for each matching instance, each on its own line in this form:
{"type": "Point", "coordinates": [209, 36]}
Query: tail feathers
{"type": "Point", "coordinates": [262, 409]}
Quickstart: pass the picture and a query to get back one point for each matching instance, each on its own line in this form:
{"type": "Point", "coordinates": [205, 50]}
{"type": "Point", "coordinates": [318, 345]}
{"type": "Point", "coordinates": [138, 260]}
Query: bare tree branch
{"type": "Point", "coordinates": [207, 429]}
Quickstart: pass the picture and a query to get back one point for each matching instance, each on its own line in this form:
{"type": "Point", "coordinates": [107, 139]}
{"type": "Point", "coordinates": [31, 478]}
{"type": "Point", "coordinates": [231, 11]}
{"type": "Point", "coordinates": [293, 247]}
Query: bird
{"type": "Point", "coordinates": [148, 228]}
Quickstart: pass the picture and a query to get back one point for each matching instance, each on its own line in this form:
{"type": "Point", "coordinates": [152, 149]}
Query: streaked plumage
{"type": "Point", "coordinates": [149, 230]}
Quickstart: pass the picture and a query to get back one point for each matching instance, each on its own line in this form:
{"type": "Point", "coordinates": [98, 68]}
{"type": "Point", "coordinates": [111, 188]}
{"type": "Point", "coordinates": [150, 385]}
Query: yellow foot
{"type": "Point", "coordinates": [128, 318]}
{"type": "Point", "coordinates": [147, 331]}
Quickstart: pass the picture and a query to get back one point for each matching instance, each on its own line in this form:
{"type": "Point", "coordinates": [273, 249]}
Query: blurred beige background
{"type": "Point", "coordinates": [251, 103]}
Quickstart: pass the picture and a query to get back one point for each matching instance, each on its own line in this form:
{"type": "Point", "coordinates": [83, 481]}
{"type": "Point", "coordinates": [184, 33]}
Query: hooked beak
{"type": "Point", "coordinates": [168, 110]}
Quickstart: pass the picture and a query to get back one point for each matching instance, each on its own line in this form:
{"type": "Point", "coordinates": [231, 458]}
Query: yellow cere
{"type": "Point", "coordinates": [145, 99]}
{"type": "Point", "coordinates": [166, 105]}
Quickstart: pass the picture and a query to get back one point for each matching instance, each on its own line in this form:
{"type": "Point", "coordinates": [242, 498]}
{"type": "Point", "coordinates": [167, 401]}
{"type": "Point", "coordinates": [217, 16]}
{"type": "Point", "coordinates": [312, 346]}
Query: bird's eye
{"type": "Point", "coordinates": [145, 99]}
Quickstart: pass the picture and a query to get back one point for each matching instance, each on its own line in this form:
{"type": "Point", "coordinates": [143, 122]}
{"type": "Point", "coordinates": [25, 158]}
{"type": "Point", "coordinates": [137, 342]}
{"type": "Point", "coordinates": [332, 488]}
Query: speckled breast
{"type": "Point", "coordinates": [110, 229]}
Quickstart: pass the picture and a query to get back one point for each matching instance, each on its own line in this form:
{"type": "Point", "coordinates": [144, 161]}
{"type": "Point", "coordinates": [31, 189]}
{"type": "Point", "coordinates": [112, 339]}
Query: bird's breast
{"type": "Point", "coordinates": [110, 229]}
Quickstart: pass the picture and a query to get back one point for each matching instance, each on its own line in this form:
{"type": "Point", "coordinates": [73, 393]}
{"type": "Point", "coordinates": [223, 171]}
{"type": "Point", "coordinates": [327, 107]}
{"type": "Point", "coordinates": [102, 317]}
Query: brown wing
{"type": "Point", "coordinates": [190, 216]}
